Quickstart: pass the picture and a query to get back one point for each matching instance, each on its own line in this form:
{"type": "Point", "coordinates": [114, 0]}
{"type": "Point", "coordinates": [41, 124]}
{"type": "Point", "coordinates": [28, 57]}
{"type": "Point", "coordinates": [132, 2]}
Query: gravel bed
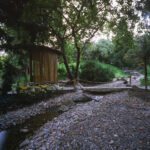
{"type": "Point", "coordinates": [117, 121]}
{"type": "Point", "coordinates": [20, 115]}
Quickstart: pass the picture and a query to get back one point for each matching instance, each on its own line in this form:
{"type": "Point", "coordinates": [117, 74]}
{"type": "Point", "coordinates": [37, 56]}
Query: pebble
{"type": "Point", "coordinates": [99, 125]}
{"type": "Point", "coordinates": [24, 143]}
{"type": "Point", "coordinates": [115, 135]}
{"type": "Point", "coordinates": [24, 130]}
{"type": "Point", "coordinates": [111, 142]}
{"type": "Point", "coordinates": [8, 119]}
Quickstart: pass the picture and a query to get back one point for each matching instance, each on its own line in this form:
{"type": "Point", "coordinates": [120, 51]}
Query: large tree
{"type": "Point", "coordinates": [82, 19]}
{"type": "Point", "coordinates": [144, 53]}
{"type": "Point", "coordinates": [140, 55]}
{"type": "Point", "coordinates": [58, 22]}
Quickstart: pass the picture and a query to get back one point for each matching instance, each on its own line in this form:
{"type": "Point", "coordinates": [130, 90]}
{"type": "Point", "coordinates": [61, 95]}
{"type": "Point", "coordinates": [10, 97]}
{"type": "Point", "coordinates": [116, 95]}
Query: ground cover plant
{"type": "Point", "coordinates": [28, 95]}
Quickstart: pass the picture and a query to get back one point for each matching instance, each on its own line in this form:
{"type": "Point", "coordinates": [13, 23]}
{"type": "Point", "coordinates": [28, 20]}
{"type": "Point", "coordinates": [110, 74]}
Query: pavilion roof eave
{"type": "Point", "coordinates": [37, 47]}
{"type": "Point", "coordinates": [42, 47]}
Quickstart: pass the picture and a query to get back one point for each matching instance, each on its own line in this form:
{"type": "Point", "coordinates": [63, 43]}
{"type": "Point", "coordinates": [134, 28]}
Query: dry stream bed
{"type": "Point", "coordinates": [117, 120]}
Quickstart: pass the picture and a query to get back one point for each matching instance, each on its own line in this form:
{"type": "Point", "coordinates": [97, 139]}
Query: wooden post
{"type": "Point", "coordinates": [31, 77]}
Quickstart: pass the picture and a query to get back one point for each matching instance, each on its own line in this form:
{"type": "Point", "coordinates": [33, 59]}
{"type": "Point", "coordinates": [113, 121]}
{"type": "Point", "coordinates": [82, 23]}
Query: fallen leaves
{"type": "Point", "coordinates": [115, 135]}
{"type": "Point", "coordinates": [141, 128]}
{"type": "Point", "coordinates": [81, 128]}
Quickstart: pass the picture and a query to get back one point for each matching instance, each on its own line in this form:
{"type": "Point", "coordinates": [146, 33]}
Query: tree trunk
{"type": "Point", "coordinates": [145, 71]}
{"type": "Point", "coordinates": [66, 62]}
{"type": "Point", "coordinates": [67, 67]}
{"type": "Point", "coordinates": [77, 63]}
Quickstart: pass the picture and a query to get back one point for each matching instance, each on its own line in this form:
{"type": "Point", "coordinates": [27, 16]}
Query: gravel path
{"type": "Point", "coordinates": [119, 121]}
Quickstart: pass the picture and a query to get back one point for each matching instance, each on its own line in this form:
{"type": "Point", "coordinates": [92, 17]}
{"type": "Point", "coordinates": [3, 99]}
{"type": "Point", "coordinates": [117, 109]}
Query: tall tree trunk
{"type": "Point", "coordinates": [66, 62]}
{"type": "Point", "coordinates": [78, 55]}
{"type": "Point", "coordinates": [145, 71]}
{"type": "Point", "coordinates": [78, 62]}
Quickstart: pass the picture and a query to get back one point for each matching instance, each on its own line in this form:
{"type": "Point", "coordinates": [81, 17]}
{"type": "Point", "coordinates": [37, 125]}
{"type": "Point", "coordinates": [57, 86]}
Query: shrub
{"type": "Point", "coordinates": [94, 71]}
{"type": "Point", "coordinates": [142, 80]}
{"type": "Point", "coordinates": [62, 72]}
{"type": "Point", "coordinates": [118, 73]}
{"type": "Point", "coordinates": [8, 77]}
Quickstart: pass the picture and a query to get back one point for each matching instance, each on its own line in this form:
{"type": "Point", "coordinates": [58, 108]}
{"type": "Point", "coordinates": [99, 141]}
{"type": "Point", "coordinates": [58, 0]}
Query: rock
{"type": "Point", "coordinates": [24, 130]}
{"type": "Point", "coordinates": [82, 98]}
{"type": "Point", "coordinates": [98, 98]}
{"type": "Point", "coordinates": [114, 79]}
{"type": "Point", "coordinates": [26, 142]}
{"type": "Point", "coordinates": [14, 123]}
{"type": "Point", "coordinates": [111, 142]}
{"type": "Point", "coordinates": [115, 135]}
{"type": "Point", "coordinates": [63, 108]}
{"type": "Point", "coordinates": [3, 135]}
{"type": "Point", "coordinates": [79, 86]}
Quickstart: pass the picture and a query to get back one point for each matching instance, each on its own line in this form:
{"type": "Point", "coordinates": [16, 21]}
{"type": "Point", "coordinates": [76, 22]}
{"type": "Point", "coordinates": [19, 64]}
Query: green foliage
{"type": "Point", "coordinates": [13, 69]}
{"type": "Point", "coordinates": [93, 71]}
{"type": "Point", "coordinates": [39, 92]}
{"type": "Point", "coordinates": [10, 71]}
{"type": "Point", "coordinates": [58, 22]}
{"type": "Point", "coordinates": [62, 72]}
{"type": "Point", "coordinates": [87, 51]}
{"type": "Point", "coordinates": [103, 50]}
{"type": "Point", "coordinates": [70, 52]}
{"type": "Point", "coordinates": [2, 60]}
{"type": "Point", "coordinates": [148, 73]}
{"type": "Point", "coordinates": [143, 46]}
{"type": "Point", "coordinates": [117, 73]}
{"type": "Point", "coordinates": [123, 41]}
{"type": "Point", "coordinates": [27, 97]}
{"type": "Point", "coordinates": [143, 81]}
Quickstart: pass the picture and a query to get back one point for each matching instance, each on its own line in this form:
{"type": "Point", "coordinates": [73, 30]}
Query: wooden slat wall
{"type": "Point", "coordinates": [44, 68]}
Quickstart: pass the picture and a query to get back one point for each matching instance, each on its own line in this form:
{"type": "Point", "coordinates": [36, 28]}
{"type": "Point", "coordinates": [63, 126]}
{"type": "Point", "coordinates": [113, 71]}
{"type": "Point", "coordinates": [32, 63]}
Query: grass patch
{"type": "Point", "coordinates": [117, 72]}
{"type": "Point", "coordinates": [62, 73]}
{"type": "Point", "coordinates": [148, 71]}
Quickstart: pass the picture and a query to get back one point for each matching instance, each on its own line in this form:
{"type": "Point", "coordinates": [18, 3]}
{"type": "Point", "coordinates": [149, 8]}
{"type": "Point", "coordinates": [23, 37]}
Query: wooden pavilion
{"type": "Point", "coordinates": [43, 64]}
